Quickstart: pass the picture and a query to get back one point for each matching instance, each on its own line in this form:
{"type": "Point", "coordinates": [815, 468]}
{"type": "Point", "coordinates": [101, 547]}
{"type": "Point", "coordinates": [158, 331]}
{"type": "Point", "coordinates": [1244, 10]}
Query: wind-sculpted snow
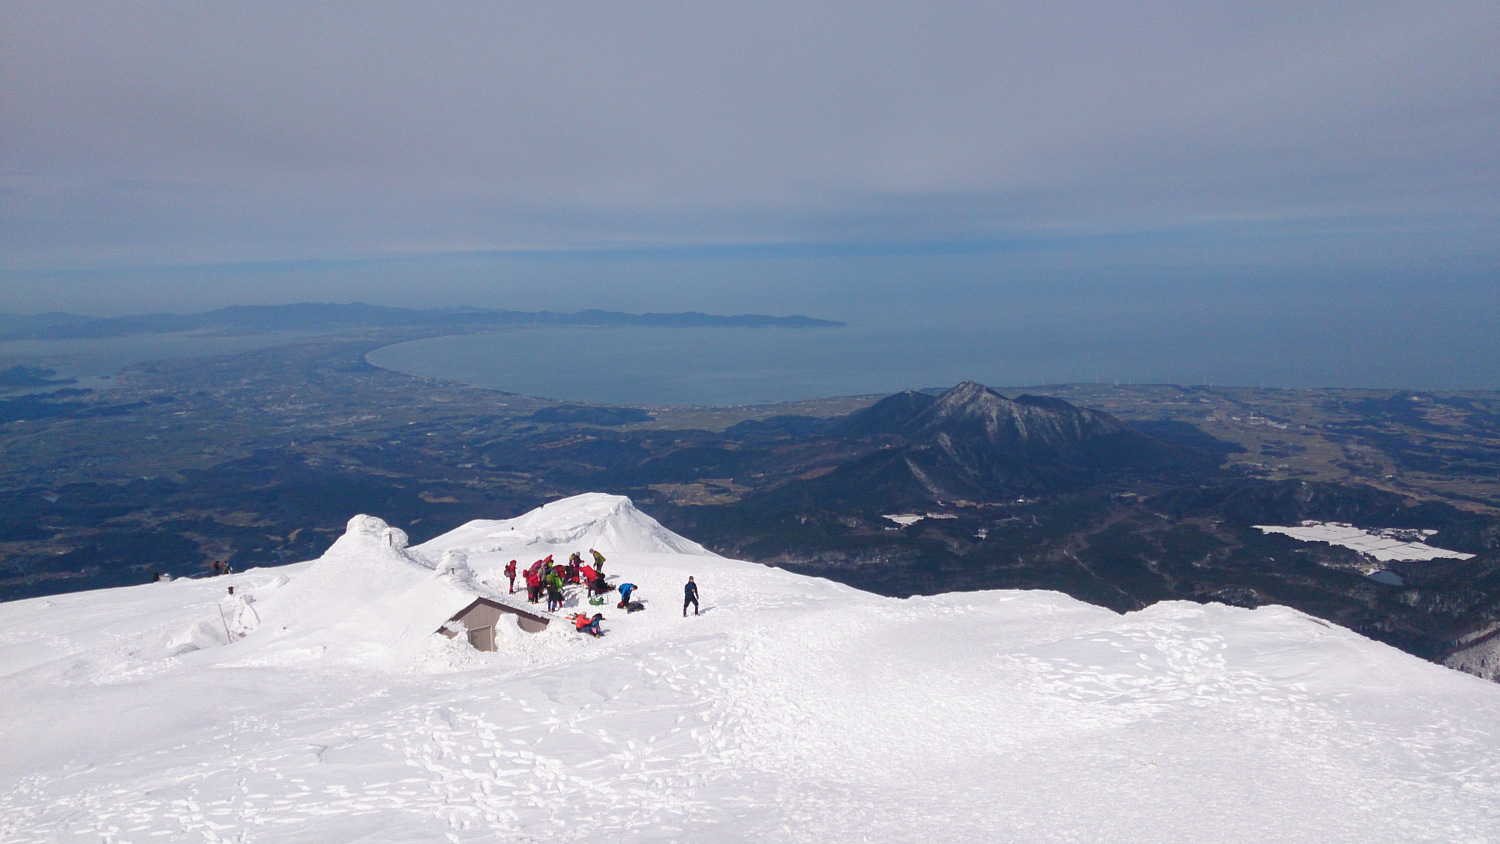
{"type": "Point", "coordinates": [793, 709]}
{"type": "Point", "coordinates": [369, 598]}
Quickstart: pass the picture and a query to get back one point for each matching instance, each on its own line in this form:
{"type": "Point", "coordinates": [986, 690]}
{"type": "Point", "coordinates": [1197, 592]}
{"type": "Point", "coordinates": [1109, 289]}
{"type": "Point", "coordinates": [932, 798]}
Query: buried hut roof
{"type": "Point", "coordinates": [370, 593]}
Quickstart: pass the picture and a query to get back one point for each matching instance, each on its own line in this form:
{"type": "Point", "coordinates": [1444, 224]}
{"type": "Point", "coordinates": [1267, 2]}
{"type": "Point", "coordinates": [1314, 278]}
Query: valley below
{"type": "Point", "coordinates": [1122, 496]}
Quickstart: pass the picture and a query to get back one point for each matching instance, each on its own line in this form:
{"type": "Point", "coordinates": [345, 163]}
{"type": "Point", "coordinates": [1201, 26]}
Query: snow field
{"type": "Point", "coordinates": [1382, 548]}
{"type": "Point", "coordinates": [793, 709]}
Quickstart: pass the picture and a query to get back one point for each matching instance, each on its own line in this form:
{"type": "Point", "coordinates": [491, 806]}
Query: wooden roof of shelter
{"type": "Point", "coordinates": [480, 616]}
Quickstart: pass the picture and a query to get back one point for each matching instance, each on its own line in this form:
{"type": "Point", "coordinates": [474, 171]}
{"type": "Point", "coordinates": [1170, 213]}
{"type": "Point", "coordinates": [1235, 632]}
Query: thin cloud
{"type": "Point", "coordinates": [242, 132]}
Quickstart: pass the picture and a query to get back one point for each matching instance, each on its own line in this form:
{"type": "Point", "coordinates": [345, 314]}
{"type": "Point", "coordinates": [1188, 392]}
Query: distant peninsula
{"type": "Point", "coordinates": [319, 317]}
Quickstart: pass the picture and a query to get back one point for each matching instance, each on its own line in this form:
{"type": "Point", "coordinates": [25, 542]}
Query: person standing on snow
{"type": "Point", "coordinates": [598, 561]}
{"type": "Point", "coordinates": [625, 590]}
{"type": "Point", "coordinates": [689, 596]}
{"type": "Point", "coordinates": [510, 572]}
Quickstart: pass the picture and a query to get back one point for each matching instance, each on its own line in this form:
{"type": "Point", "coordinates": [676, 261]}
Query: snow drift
{"type": "Point", "coordinates": [794, 709]}
{"type": "Point", "coordinates": [368, 596]}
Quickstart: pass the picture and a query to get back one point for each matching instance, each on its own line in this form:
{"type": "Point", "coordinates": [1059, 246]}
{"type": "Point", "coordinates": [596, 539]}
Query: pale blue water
{"type": "Point", "coordinates": [718, 366]}
{"type": "Point", "coordinates": [1413, 348]}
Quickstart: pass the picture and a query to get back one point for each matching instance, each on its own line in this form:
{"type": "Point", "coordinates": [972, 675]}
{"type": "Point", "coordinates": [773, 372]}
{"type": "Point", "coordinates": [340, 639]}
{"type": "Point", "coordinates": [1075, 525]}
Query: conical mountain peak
{"type": "Point", "coordinates": [969, 397]}
{"type": "Point", "coordinates": [973, 412]}
{"type": "Point", "coordinates": [968, 391]}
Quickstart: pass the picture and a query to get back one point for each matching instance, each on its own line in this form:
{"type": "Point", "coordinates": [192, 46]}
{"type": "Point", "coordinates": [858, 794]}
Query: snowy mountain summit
{"type": "Point", "coordinates": [372, 599]}
{"type": "Point", "coordinates": [608, 523]}
{"type": "Point", "coordinates": [319, 703]}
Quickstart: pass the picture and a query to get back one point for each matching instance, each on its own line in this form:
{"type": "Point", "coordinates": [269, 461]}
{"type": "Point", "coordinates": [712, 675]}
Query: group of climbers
{"type": "Point", "coordinates": [546, 578]}
{"type": "Point", "coordinates": [549, 579]}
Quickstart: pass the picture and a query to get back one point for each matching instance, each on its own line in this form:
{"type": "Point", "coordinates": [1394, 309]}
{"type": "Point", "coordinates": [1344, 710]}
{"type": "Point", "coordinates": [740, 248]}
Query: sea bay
{"type": "Point", "coordinates": [728, 366]}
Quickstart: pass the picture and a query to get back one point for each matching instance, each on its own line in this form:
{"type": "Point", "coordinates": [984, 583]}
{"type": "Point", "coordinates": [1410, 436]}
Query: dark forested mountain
{"type": "Point", "coordinates": [973, 444]}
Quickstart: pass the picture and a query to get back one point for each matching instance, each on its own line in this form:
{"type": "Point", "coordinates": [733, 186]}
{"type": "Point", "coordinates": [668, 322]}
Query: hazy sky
{"type": "Point", "coordinates": [837, 159]}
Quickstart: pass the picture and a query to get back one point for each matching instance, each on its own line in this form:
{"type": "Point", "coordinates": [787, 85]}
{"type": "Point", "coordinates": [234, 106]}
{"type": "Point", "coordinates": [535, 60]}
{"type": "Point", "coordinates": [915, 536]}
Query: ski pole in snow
{"type": "Point", "coordinates": [227, 635]}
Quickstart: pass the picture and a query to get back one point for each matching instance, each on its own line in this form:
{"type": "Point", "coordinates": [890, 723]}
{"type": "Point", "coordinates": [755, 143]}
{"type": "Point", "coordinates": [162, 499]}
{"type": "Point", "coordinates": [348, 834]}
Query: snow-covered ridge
{"type": "Point", "coordinates": [793, 709]}
{"type": "Point", "coordinates": [609, 523]}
